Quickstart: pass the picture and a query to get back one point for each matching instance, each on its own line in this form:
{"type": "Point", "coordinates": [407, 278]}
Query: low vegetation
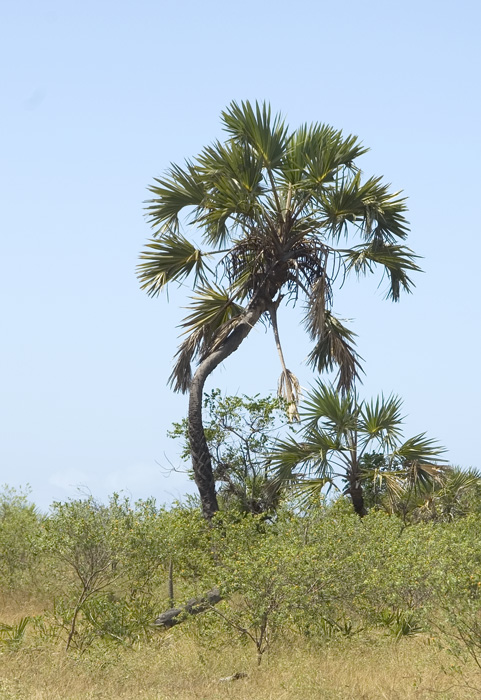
{"type": "Point", "coordinates": [316, 602]}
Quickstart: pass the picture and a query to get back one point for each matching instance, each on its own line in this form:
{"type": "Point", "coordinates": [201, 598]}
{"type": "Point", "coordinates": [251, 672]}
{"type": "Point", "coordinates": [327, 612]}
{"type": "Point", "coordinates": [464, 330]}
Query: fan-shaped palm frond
{"type": "Point", "coordinates": [382, 419]}
{"type": "Point", "coordinates": [457, 479]}
{"type": "Point", "coordinates": [397, 261]}
{"type": "Point", "coordinates": [316, 153]}
{"type": "Point", "coordinates": [214, 314]}
{"type": "Point", "coordinates": [211, 307]}
{"type": "Point", "coordinates": [377, 214]}
{"type": "Point", "coordinates": [168, 259]}
{"type": "Point", "coordinates": [181, 188]}
{"type": "Point", "coordinates": [455, 492]}
{"type": "Point", "coordinates": [419, 450]}
{"type": "Point", "coordinates": [313, 453]}
{"type": "Point", "coordinates": [325, 406]}
{"type": "Point", "coordinates": [308, 491]}
{"type": "Point", "coordinates": [265, 134]}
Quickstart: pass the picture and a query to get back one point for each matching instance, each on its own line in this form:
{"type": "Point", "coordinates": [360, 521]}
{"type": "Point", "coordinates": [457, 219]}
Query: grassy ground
{"type": "Point", "coordinates": [177, 665]}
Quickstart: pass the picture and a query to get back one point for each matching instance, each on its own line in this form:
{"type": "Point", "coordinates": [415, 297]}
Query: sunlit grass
{"type": "Point", "coordinates": [178, 664]}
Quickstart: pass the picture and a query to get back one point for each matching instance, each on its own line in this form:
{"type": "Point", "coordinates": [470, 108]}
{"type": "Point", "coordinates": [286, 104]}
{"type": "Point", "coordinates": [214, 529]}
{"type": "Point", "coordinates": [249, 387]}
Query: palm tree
{"type": "Point", "coordinates": [341, 437]}
{"type": "Point", "coordinates": [453, 496]}
{"type": "Point", "coordinates": [268, 210]}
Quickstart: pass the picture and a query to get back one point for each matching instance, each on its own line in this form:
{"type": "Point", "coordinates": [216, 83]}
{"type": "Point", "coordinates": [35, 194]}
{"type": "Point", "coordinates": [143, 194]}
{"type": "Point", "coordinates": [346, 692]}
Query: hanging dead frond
{"type": "Point", "coordinates": [289, 389]}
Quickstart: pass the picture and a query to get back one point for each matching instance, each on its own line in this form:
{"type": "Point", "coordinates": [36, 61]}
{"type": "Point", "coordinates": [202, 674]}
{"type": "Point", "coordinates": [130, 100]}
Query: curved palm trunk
{"type": "Point", "coordinates": [201, 459]}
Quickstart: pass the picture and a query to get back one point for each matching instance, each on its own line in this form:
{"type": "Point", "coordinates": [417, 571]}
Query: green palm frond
{"type": "Point", "coordinates": [212, 307]}
{"type": "Point", "coordinates": [214, 313]}
{"type": "Point", "coordinates": [419, 458]}
{"type": "Point", "coordinates": [396, 259]}
{"type": "Point", "coordinates": [312, 453]}
{"type": "Point", "coordinates": [234, 189]}
{"type": "Point", "coordinates": [324, 405]}
{"type": "Point", "coordinates": [341, 206]}
{"type": "Point", "coordinates": [382, 419]}
{"type": "Point", "coordinates": [256, 127]}
{"type": "Point", "coordinates": [452, 493]}
{"type": "Point", "coordinates": [332, 153]}
{"type": "Point", "coordinates": [378, 214]}
{"type": "Point", "coordinates": [393, 480]}
{"type": "Point", "coordinates": [287, 455]}
{"type": "Point", "coordinates": [383, 218]}
{"type": "Point", "coordinates": [183, 187]}
{"type": "Point", "coordinates": [231, 161]}
{"type": "Point", "coordinates": [420, 450]}
{"type": "Point", "coordinates": [315, 154]}
{"type": "Point", "coordinates": [457, 480]}
{"type": "Point", "coordinates": [334, 347]}
{"type": "Point", "coordinates": [170, 258]}
{"type": "Point", "coordinates": [310, 490]}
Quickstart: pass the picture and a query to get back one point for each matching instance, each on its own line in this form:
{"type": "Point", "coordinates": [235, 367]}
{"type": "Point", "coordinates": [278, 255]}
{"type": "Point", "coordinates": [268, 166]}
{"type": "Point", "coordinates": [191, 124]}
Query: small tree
{"type": "Point", "coordinates": [240, 432]}
{"type": "Point", "coordinates": [88, 538]}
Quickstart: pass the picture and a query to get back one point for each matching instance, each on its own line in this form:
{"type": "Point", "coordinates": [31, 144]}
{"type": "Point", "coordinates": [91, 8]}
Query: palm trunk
{"type": "Point", "coordinates": [201, 459]}
{"type": "Point", "coordinates": [355, 492]}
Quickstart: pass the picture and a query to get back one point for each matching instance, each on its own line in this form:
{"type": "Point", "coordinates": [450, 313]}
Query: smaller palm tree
{"type": "Point", "coordinates": [454, 496]}
{"type": "Point", "coordinates": [342, 438]}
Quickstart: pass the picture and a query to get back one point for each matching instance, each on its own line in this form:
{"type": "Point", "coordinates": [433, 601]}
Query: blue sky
{"type": "Point", "coordinates": [99, 97]}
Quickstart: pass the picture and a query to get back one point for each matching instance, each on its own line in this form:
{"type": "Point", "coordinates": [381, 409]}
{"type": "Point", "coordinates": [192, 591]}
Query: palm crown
{"type": "Point", "coordinates": [271, 208]}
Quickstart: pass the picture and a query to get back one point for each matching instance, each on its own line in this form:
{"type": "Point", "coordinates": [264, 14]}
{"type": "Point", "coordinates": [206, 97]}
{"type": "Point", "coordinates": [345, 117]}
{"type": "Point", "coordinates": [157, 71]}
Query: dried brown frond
{"type": "Point", "coordinates": [289, 389]}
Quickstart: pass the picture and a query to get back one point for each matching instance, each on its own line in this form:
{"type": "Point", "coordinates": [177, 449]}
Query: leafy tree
{"type": "Point", "coordinates": [337, 438]}
{"type": "Point", "coordinates": [271, 207]}
{"type": "Point", "coordinates": [240, 433]}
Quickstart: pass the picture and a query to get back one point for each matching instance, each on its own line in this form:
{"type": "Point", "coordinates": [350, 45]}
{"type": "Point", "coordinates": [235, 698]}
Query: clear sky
{"type": "Point", "coordinates": [98, 97]}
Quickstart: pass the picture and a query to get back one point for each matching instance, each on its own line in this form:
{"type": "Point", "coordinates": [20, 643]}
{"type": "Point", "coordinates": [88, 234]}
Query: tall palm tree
{"type": "Point", "coordinates": [268, 210]}
{"type": "Point", "coordinates": [357, 442]}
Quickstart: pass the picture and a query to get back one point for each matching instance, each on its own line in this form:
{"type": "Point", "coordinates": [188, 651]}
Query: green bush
{"type": "Point", "coordinates": [326, 573]}
{"type": "Point", "coordinates": [321, 572]}
{"type": "Point", "coordinates": [109, 560]}
{"type": "Point", "coordinates": [19, 525]}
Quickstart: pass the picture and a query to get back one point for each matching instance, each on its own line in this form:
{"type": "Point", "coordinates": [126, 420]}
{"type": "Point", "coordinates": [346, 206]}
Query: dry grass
{"type": "Point", "coordinates": [176, 666]}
